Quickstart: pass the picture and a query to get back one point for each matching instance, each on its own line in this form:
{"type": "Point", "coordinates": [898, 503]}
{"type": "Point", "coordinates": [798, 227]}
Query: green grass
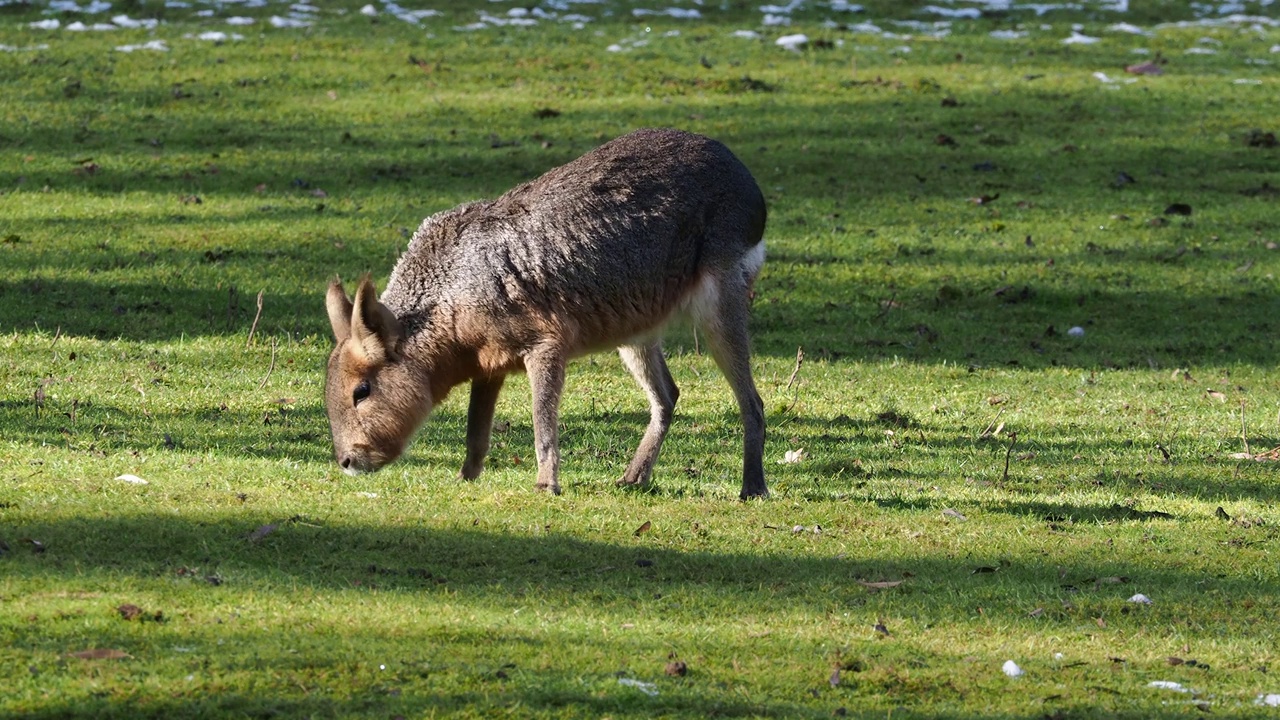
{"type": "Point", "coordinates": [146, 198]}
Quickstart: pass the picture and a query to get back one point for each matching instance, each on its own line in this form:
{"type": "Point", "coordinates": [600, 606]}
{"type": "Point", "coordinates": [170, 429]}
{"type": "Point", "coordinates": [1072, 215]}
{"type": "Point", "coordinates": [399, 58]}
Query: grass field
{"type": "Point", "coordinates": [1038, 311]}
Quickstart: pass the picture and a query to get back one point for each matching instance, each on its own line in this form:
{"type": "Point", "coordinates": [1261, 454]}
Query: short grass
{"type": "Point", "coordinates": [1019, 482]}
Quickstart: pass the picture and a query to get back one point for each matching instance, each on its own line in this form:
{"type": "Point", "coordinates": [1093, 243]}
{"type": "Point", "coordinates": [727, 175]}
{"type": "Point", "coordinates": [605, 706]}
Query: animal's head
{"type": "Point", "coordinates": [375, 399]}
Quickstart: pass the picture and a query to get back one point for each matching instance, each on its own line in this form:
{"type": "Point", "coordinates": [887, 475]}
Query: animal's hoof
{"type": "Point", "coordinates": [748, 494]}
{"type": "Point", "coordinates": [553, 489]}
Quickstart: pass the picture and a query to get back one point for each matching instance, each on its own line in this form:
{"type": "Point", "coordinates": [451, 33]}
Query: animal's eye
{"type": "Point", "coordinates": [360, 393]}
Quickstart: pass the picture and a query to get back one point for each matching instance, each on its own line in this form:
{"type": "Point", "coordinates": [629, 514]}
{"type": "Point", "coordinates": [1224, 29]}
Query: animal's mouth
{"type": "Point", "coordinates": [357, 462]}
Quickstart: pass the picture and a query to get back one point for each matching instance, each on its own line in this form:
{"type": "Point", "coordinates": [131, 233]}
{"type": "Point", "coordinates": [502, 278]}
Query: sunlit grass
{"type": "Point", "coordinates": [1021, 482]}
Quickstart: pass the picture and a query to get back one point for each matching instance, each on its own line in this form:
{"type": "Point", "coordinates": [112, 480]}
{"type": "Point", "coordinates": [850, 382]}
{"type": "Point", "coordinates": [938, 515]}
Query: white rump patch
{"type": "Point", "coordinates": [702, 302]}
{"type": "Point", "coordinates": [752, 261]}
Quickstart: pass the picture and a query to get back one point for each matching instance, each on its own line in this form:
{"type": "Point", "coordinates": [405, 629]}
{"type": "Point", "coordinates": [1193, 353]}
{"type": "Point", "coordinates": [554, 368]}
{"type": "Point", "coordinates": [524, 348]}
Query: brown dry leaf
{"type": "Point", "coordinates": [984, 199]}
{"type": "Point", "coordinates": [1220, 397]}
{"type": "Point", "coordinates": [880, 628]}
{"type": "Point", "coordinates": [953, 514]}
{"type": "Point", "coordinates": [1175, 660]}
{"type": "Point", "coordinates": [834, 680]}
{"type": "Point", "coordinates": [1272, 454]}
{"type": "Point", "coordinates": [1101, 623]}
{"type": "Point", "coordinates": [643, 528]}
{"type": "Point", "coordinates": [946, 140]}
{"type": "Point", "coordinates": [677, 668]}
{"type": "Point", "coordinates": [1146, 68]}
{"type": "Point", "coordinates": [884, 585]}
{"type": "Point", "coordinates": [1036, 613]}
{"type": "Point", "coordinates": [129, 611]}
{"type": "Point", "coordinates": [100, 654]}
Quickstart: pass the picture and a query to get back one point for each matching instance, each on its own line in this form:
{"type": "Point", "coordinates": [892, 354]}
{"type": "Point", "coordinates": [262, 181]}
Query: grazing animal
{"type": "Point", "coordinates": [599, 253]}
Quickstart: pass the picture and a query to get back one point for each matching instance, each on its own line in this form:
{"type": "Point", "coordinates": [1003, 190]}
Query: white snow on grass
{"type": "Point", "coordinates": [781, 9]}
{"type": "Point", "coordinates": [215, 36]}
{"type": "Point", "coordinates": [78, 26]}
{"type": "Point", "coordinates": [1129, 28]}
{"type": "Point", "coordinates": [413, 17]}
{"type": "Point", "coordinates": [794, 43]}
{"type": "Point", "coordinates": [686, 14]}
{"type": "Point", "coordinates": [125, 21]}
{"type": "Point", "coordinates": [1236, 19]}
{"type": "Point", "coordinates": [288, 22]}
{"type": "Point", "coordinates": [1080, 39]}
{"type": "Point", "coordinates": [93, 8]}
{"type": "Point", "coordinates": [1168, 685]}
{"type": "Point", "coordinates": [156, 45]}
{"type": "Point", "coordinates": [972, 13]}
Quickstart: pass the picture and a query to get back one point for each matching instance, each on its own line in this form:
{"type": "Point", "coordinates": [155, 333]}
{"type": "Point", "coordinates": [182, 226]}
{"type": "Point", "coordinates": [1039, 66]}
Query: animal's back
{"type": "Point", "coordinates": [596, 251]}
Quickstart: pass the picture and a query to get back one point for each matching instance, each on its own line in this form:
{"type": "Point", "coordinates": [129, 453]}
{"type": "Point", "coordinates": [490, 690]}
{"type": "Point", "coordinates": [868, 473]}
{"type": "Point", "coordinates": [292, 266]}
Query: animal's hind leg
{"type": "Point", "coordinates": [650, 370]}
{"type": "Point", "coordinates": [724, 320]}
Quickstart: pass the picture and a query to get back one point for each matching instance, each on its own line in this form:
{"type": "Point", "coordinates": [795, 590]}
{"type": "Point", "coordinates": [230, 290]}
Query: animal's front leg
{"type": "Point", "coordinates": [484, 397]}
{"type": "Point", "coordinates": [546, 378]}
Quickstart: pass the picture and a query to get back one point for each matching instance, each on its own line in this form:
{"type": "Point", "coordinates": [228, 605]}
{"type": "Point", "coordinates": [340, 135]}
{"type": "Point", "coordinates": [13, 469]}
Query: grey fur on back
{"type": "Point", "coordinates": [629, 221]}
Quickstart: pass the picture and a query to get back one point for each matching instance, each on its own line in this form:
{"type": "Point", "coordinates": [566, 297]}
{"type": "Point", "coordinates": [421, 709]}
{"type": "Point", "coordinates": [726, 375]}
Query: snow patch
{"type": "Point", "coordinates": [157, 45]}
{"type": "Point", "coordinates": [1077, 38]}
{"type": "Point", "coordinates": [972, 13]}
{"type": "Point", "coordinates": [1168, 685]}
{"type": "Point", "coordinates": [1124, 27]}
{"type": "Point", "coordinates": [288, 22]}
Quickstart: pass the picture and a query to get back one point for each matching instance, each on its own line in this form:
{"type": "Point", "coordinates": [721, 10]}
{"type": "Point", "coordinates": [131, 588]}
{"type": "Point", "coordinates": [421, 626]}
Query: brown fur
{"type": "Point", "coordinates": [598, 253]}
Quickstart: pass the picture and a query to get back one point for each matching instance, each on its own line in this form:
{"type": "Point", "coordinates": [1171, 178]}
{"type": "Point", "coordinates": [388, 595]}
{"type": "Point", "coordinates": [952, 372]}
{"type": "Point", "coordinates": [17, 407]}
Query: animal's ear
{"type": "Point", "coordinates": [374, 327]}
{"type": "Point", "coordinates": [339, 307]}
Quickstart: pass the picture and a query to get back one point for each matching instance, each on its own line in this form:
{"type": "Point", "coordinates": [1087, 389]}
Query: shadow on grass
{"type": "Point", "coordinates": [843, 453]}
{"type": "Point", "coordinates": [1139, 328]}
{"type": "Point", "coordinates": [1130, 302]}
{"type": "Point", "coordinates": [498, 573]}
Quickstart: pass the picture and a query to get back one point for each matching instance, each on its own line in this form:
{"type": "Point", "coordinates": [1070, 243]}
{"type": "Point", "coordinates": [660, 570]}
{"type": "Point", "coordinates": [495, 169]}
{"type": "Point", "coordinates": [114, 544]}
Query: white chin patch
{"type": "Point", "coordinates": [351, 471]}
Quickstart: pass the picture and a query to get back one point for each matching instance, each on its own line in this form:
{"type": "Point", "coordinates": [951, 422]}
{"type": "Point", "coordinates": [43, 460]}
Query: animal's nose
{"type": "Point", "coordinates": [345, 462]}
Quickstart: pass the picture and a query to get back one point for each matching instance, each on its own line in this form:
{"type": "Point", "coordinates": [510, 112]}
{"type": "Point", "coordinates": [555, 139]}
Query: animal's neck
{"type": "Point", "coordinates": [431, 348]}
